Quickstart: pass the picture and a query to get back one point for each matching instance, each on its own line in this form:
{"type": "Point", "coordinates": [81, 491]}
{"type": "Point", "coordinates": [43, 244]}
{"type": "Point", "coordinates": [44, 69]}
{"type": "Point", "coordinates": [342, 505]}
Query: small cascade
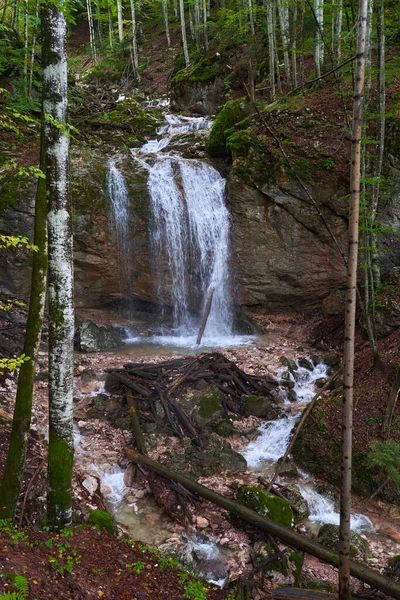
{"type": "Point", "coordinates": [263, 453]}
{"type": "Point", "coordinates": [119, 198]}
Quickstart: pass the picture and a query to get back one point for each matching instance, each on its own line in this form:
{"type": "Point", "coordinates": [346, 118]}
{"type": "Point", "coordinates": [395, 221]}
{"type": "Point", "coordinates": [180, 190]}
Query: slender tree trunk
{"type": "Point", "coordinates": [33, 49]}
{"type": "Point", "coordinates": [60, 274]}
{"type": "Point", "coordinates": [165, 14]}
{"type": "Point", "coordinates": [294, 46]}
{"type": "Point", "coordinates": [91, 30]}
{"type": "Point", "coordinates": [183, 28]}
{"type": "Point", "coordinates": [14, 469]}
{"type": "Point", "coordinates": [251, 17]}
{"type": "Point", "coordinates": [339, 22]}
{"type": "Point", "coordinates": [120, 22]}
{"type": "Point", "coordinates": [26, 44]}
{"type": "Point", "coordinates": [283, 13]}
{"type": "Point", "coordinates": [271, 48]}
{"type": "Point", "coordinates": [205, 25]}
{"type": "Point", "coordinates": [110, 26]}
{"type": "Point", "coordinates": [134, 41]}
{"type": "Point", "coordinates": [350, 315]}
{"type": "Point", "coordinates": [319, 42]}
{"type": "Point", "coordinates": [278, 73]}
{"type": "Point", "coordinates": [99, 26]}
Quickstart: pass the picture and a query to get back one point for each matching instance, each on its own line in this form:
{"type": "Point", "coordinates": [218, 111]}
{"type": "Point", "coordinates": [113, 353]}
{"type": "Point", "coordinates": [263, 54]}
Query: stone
{"type": "Point", "coordinates": [90, 484]}
{"type": "Point", "coordinates": [301, 504]}
{"type": "Point", "coordinates": [129, 475]}
{"type": "Point", "coordinates": [331, 359]}
{"type": "Point", "coordinates": [334, 303]}
{"type": "Point", "coordinates": [202, 522]}
{"type": "Point", "coordinates": [266, 504]}
{"type": "Point", "coordinates": [306, 364]}
{"type": "Point", "coordinates": [284, 571]}
{"type": "Point", "coordinates": [289, 363]}
{"type": "Point", "coordinates": [225, 427]}
{"type": "Point", "coordinates": [265, 407]}
{"type": "Point", "coordinates": [328, 536]}
{"type": "Point", "coordinates": [91, 338]}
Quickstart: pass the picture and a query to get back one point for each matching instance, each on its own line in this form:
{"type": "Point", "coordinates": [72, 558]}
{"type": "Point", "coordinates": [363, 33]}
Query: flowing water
{"type": "Point", "coordinates": [263, 453]}
{"type": "Point", "coordinates": [190, 229]}
{"type": "Point", "coordinates": [119, 198]}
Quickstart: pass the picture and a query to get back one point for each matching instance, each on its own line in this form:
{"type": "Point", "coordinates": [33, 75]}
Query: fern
{"type": "Point", "coordinates": [386, 455]}
{"type": "Point", "coordinates": [22, 589]}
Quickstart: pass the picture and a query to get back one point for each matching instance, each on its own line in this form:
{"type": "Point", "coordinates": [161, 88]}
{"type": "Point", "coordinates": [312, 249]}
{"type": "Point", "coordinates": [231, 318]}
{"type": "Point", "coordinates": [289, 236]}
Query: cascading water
{"type": "Point", "coordinates": [190, 226]}
{"type": "Point", "coordinates": [263, 453]}
{"type": "Point", "coordinates": [119, 198]}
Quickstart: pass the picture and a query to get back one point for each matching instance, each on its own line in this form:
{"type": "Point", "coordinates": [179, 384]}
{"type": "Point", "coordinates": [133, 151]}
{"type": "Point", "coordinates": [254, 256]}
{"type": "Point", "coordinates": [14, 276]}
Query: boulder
{"type": "Point", "coordinates": [282, 571]}
{"type": "Point", "coordinates": [328, 536]}
{"type": "Point", "coordinates": [215, 456]}
{"type": "Point", "coordinates": [265, 407]}
{"type": "Point", "coordinates": [289, 363]}
{"type": "Point", "coordinates": [306, 364]}
{"type": "Point", "coordinates": [91, 338]}
{"type": "Point", "coordinates": [266, 504]}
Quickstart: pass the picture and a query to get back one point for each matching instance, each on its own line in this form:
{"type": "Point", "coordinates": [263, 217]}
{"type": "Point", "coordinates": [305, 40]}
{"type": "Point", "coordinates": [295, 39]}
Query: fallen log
{"type": "Point", "coordinates": [361, 572]}
{"type": "Point", "coordinates": [137, 430]}
{"type": "Point", "coordinates": [205, 315]}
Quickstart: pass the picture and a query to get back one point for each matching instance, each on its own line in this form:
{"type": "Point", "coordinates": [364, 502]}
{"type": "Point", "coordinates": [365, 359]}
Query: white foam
{"type": "Point", "coordinates": [272, 442]}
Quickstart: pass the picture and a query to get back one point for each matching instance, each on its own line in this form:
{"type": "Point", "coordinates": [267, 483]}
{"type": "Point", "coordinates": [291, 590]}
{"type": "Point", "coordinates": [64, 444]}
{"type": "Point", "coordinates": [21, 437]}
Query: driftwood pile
{"type": "Point", "coordinates": [160, 384]}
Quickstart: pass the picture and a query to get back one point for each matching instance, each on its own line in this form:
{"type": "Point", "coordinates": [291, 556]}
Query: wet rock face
{"type": "Point", "coordinates": [265, 407]}
{"type": "Point", "coordinates": [328, 536]}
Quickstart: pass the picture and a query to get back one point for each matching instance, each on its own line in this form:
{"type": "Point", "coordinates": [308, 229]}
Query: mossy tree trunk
{"type": "Point", "coordinates": [60, 273]}
{"type": "Point", "coordinates": [350, 314]}
{"type": "Point", "coordinates": [12, 479]}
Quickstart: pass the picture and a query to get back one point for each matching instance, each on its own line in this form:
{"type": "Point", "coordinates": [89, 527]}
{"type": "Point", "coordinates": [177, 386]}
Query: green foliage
{"type": "Point", "coordinates": [67, 559]}
{"type": "Point", "coordinates": [195, 590]}
{"type": "Point", "coordinates": [386, 455]}
{"type": "Point", "coordinates": [137, 567]}
{"type": "Point", "coordinates": [102, 520]}
{"type": "Point", "coordinates": [16, 241]}
{"type": "Point", "coordinates": [21, 588]}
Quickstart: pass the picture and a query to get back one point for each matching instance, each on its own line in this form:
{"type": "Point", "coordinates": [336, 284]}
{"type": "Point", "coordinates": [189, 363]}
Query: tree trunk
{"type": "Point", "coordinates": [134, 41]}
{"type": "Point", "coordinates": [110, 26]}
{"type": "Point", "coordinates": [283, 13]}
{"type": "Point", "coordinates": [207, 309]}
{"type": "Point", "coordinates": [91, 30]}
{"type": "Point", "coordinates": [350, 314]}
{"type": "Point", "coordinates": [271, 48]}
{"type": "Point", "coordinates": [288, 536]}
{"type": "Point", "coordinates": [14, 469]}
{"type": "Point", "coordinates": [319, 32]}
{"type": "Point", "coordinates": [60, 274]}
{"type": "Point", "coordinates": [120, 22]}
{"type": "Point", "coordinates": [183, 29]}
{"type": "Point", "coordinates": [165, 15]}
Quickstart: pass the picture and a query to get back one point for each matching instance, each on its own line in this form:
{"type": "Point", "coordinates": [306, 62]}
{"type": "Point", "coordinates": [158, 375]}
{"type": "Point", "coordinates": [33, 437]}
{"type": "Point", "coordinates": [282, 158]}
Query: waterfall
{"type": "Point", "coordinates": [191, 227]}
{"type": "Point", "coordinates": [119, 198]}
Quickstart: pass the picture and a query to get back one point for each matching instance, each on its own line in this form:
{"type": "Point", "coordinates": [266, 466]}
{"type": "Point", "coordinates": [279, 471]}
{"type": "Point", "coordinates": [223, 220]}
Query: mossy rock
{"type": "Point", "coordinates": [210, 408]}
{"type": "Point", "coordinates": [266, 504]}
{"type": "Point", "coordinates": [300, 503]}
{"type": "Point", "coordinates": [102, 520]}
{"type": "Point", "coordinates": [231, 113]}
{"type": "Point", "coordinates": [285, 570]}
{"type": "Point", "coordinates": [264, 407]}
{"type": "Point", "coordinates": [306, 364]}
{"type": "Point", "coordinates": [240, 142]}
{"type": "Point", "coordinates": [289, 363]}
{"type": "Point", "coordinates": [216, 456]}
{"type": "Point", "coordinates": [225, 427]}
{"type": "Point", "coordinates": [204, 71]}
{"type": "Point", "coordinates": [328, 536]}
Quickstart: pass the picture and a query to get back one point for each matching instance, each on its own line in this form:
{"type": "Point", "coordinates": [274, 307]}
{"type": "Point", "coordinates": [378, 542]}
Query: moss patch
{"type": "Point", "coordinates": [266, 504]}
{"type": "Point", "coordinates": [231, 113]}
{"type": "Point", "coordinates": [102, 520]}
{"type": "Point", "coordinates": [204, 71]}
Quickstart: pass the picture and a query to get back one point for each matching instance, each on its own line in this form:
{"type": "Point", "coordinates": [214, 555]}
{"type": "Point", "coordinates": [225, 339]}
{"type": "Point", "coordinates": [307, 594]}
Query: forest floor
{"type": "Point", "coordinates": [94, 563]}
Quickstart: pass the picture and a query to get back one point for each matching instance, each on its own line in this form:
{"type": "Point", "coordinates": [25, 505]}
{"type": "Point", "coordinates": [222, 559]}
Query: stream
{"type": "Point", "coordinates": [190, 225]}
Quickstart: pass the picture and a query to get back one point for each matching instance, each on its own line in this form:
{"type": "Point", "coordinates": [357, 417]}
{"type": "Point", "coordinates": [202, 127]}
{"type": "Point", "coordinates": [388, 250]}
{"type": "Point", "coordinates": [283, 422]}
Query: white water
{"type": "Point", "coordinates": [118, 194]}
{"type": "Point", "coordinates": [175, 124]}
{"type": "Point", "coordinates": [263, 453]}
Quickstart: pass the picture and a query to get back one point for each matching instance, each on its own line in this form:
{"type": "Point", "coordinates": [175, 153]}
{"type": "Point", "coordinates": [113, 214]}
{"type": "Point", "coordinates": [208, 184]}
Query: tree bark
{"type": "Point", "coordinates": [14, 469]}
{"type": "Point", "coordinates": [350, 314]}
{"type": "Point", "coordinates": [60, 274]}
{"type": "Point", "coordinates": [207, 309]}
{"type": "Point", "coordinates": [120, 22]}
{"type": "Point", "coordinates": [288, 536]}
{"type": "Point", "coordinates": [183, 29]}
